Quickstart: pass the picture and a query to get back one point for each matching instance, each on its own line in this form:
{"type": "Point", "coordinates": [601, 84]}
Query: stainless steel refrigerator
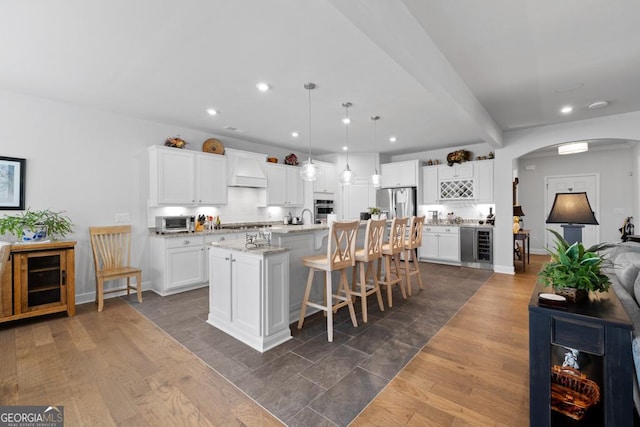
{"type": "Point", "coordinates": [397, 202]}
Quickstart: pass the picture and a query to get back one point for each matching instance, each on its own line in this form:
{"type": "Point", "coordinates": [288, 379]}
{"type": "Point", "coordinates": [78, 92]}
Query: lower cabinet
{"type": "Point", "coordinates": [249, 296]}
{"type": "Point", "coordinates": [178, 264]}
{"type": "Point", "coordinates": [39, 279]}
{"type": "Point", "coordinates": [440, 243]}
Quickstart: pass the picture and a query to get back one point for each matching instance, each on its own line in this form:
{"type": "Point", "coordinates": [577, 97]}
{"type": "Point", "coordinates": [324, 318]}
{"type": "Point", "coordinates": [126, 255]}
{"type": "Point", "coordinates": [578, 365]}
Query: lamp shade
{"type": "Point", "coordinates": [517, 210]}
{"type": "Point", "coordinates": [571, 208]}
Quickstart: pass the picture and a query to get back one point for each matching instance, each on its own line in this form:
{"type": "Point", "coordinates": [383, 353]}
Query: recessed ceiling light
{"type": "Point", "coordinates": [295, 134]}
{"type": "Point", "coordinates": [263, 87]}
{"type": "Point", "coordinates": [393, 139]}
{"type": "Point", "coordinates": [566, 109]}
{"type": "Point", "coordinates": [598, 104]}
{"type": "Point", "coordinates": [345, 148]}
{"type": "Point", "coordinates": [212, 111]}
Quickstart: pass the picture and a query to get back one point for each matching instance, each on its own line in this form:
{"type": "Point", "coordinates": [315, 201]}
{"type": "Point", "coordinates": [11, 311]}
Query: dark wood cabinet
{"type": "Point", "coordinates": [39, 279]}
{"type": "Point", "coordinates": [599, 327]}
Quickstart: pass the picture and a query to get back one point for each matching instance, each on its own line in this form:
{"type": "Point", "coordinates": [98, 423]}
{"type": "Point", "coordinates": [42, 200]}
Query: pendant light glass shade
{"type": "Point", "coordinates": [376, 178]}
{"type": "Point", "coordinates": [310, 171]}
{"type": "Point", "coordinates": [347, 177]}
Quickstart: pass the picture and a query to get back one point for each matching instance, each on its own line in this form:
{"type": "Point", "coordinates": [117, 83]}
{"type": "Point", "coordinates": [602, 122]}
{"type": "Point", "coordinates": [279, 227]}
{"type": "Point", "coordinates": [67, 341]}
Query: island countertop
{"type": "Point", "coordinates": [242, 246]}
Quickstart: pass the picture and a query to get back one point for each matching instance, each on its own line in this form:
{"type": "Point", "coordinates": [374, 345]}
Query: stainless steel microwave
{"type": "Point", "coordinates": [175, 224]}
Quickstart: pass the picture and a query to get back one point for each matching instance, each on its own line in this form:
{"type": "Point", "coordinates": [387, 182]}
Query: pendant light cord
{"type": "Point", "coordinates": [309, 91]}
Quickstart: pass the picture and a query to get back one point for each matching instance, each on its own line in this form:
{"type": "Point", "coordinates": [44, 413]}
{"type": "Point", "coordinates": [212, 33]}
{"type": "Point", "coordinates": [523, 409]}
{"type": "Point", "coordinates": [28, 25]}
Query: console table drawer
{"type": "Point", "coordinates": [582, 336]}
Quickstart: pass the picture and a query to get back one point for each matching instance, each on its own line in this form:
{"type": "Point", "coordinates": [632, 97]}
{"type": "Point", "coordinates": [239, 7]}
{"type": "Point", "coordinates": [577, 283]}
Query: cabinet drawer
{"type": "Point", "coordinates": [441, 229]}
{"type": "Point", "coordinates": [184, 242]}
{"type": "Point", "coordinates": [586, 337]}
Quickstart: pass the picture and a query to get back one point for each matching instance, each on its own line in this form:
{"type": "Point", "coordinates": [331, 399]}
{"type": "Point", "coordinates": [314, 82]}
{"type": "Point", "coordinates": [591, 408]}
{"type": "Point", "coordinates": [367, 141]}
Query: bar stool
{"type": "Point", "coordinates": [411, 244]}
{"type": "Point", "coordinates": [340, 255]}
{"type": "Point", "coordinates": [368, 254]}
{"type": "Point", "coordinates": [391, 253]}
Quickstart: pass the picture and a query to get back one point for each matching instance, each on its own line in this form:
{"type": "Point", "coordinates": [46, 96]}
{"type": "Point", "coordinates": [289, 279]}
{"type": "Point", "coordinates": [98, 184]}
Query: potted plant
{"type": "Point", "coordinates": [36, 225]}
{"type": "Point", "coordinates": [573, 270]}
{"type": "Point", "coordinates": [375, 212]}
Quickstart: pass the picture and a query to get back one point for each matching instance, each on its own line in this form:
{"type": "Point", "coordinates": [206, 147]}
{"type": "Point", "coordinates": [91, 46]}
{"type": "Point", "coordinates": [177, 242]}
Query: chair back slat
{"type": "Point", "coordinates": [373, 238]}
{"type": "Point", "coordinates": [396, 235]}
{"type": "Point", "coordinates": [111, 246]}
{"type": "Point", "coordinates": [415, 232]}
{"type": "Point", "coordinates": [342, 244]}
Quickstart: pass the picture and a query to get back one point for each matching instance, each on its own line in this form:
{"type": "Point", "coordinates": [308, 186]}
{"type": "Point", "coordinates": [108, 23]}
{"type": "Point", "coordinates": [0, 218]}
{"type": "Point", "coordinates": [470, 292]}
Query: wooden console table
{"type": "Point", "coordinates": [523, 236]}
{"type": "Point", "coordinates": [600, 327]}
{"type": "Point", "coordinates": [39, 279]}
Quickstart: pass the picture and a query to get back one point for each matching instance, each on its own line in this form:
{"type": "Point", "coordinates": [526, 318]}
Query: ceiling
{"type": "Point", "coordinates": [440, 73]}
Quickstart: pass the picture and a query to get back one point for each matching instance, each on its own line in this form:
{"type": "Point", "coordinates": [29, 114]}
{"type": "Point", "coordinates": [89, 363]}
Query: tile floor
{"type": "Point", "coordinates": [307, 380]}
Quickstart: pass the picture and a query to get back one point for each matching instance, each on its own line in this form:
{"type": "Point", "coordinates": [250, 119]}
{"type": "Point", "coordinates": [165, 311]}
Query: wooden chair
{"type": "Point", "coordinates": [368, 254]}
{"type": "Point", "coordinates": [411, 244]}
{"type": "Point", "coordinates": [111, 247]}
{"type": "Point", "coordinates": [391, 251]}
{"type": "Point", "coordinates": [341, 248]}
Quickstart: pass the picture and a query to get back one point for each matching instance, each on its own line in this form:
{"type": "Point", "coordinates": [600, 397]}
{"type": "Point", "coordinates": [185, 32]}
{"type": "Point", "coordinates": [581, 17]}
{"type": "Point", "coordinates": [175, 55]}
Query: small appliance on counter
{"type": "Point", "coordinates": [175, 224]}
{"type": "Point", "coordinates": [491, 219]}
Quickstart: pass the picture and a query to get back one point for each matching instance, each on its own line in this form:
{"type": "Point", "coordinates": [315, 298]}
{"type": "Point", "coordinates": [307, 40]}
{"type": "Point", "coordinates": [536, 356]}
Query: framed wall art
{"type": "Point", "coordinates": [12, 183]}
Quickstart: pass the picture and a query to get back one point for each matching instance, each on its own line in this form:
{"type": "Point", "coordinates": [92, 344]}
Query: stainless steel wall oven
{"type": "Point", "coordinates": [321, 208]}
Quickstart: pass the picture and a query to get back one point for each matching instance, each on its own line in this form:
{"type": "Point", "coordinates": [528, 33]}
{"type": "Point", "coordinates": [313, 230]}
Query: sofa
{"type": "Point", "coordinates": [624, 273]}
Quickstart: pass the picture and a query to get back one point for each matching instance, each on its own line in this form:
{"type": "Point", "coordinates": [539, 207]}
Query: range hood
{"type": "Point", "coordinates": [247, 172]}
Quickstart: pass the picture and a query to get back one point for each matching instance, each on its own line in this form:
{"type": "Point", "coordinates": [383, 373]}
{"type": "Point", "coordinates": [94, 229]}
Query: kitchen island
{"type": "Point", "coordinates": [249, 292]}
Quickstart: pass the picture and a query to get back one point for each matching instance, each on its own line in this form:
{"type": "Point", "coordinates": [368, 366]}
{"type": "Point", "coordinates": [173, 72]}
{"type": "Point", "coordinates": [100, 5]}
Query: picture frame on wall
{"type": "Point", "coordinates": [12, 183]}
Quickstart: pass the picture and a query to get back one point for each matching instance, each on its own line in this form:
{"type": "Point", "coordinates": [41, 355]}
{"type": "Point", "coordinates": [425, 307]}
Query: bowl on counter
{"type": "Point", "coordinates": [481, 222]}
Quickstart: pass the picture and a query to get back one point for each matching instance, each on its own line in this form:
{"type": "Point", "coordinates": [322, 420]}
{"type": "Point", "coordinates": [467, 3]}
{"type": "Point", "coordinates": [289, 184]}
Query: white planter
{"type": "Point", "coordinates": [38, 233]}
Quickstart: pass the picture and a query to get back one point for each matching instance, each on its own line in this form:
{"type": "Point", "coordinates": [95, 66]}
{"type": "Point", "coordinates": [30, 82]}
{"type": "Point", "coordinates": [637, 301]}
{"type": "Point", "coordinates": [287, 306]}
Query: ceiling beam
{"type": "Point", "coordinates": [391, 26]}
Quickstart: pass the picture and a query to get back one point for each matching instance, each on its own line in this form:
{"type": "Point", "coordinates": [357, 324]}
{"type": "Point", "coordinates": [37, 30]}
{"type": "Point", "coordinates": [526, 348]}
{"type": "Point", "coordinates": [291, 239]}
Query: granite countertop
{"type": "Point", "coordinates": [464, 223]}
{"type": "Point", "coordinates": [241, 246]}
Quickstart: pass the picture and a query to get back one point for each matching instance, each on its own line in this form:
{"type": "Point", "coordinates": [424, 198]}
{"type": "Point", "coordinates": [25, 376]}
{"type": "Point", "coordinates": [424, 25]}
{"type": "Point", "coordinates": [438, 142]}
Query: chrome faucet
{"type": "Point", "coordinates": [310, 214]}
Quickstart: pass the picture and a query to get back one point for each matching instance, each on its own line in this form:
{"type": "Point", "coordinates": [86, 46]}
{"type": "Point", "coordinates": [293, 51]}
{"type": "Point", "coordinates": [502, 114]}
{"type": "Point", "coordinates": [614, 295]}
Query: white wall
{"type": "Point", "coordinates": [88, 163]}
{"type": "Point", "coordinates": [615, 170]}
{"type": "Point", "coordinates": [518, 143]}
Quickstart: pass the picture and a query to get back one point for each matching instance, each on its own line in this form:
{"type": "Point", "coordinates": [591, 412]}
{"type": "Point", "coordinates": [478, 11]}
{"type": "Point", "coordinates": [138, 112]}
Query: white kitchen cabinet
{"type": "Point", "coordinates": [327, 182]}
{"type": "Point", "coordinates": [483, 181]}
{"type": "Point", "coordinates": [284, 185]}
{"type": "Point", "coordinates": [429, 185]}
{"type": "Point", "coordinates": [178, 264]}
{"type": "Point", "coordinates": [440, 243]}
{"type": "Point", "coordinates": [457, 170]}
{"type": "Point", "coordinates": [180, 177]}
{"type": "Point", "coordinates": [400, 174]}
{"type": "Point", "coordinates": [249, 296]}
{"type": "Point", "coordinates": [211, 179]}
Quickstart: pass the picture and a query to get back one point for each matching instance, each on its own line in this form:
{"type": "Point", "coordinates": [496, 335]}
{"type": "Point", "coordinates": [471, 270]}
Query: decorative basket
{"type": "Point", "coordinates": [572, 393]}
{"type": "Point", "coordinates": [572, 294]}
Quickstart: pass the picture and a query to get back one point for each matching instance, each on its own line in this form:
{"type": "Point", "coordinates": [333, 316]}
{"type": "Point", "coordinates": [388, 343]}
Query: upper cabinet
{"type": "Point", "coordinates": [400, 174]}
{"type": "Point", "coordinates": [180, 177]}
{"type": "Point", "coordinates": [483, 181]}
{"type": "Point", "coordinates": [327, 182]}
{"type": "Point", "coordinates": [430, 185]}
{"type": "Point", "coordinates": [284, 185]}
{"type": "Point", "coordinates": [472, 181]}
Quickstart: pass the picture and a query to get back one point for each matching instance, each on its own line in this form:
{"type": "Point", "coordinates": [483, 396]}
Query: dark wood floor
{"type": "Point", "coordinates": [118, 368]}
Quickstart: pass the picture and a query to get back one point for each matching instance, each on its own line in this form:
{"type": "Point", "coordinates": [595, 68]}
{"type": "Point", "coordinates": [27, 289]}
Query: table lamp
{"type": "Point", "coordinates": [517, 213]}
{"type": "Point", "coordinates": [573, 211]}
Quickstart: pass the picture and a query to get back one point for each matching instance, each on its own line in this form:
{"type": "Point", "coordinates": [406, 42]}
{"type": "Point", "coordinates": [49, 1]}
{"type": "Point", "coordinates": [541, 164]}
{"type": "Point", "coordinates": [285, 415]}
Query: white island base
{"type": "Point", "coordinates": [249, 293]}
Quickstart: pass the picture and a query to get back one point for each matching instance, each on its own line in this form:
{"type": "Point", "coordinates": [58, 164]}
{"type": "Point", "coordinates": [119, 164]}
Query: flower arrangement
{"type": "Point", "coordinates": [175, 142]}
{"type": "Point", "coordinates": [291, 159]}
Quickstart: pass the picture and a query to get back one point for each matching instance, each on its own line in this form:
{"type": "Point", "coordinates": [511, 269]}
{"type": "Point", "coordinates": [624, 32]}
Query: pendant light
{"type": "Point", "coordinates": [376, 178]}
{"type": "Point", "coordinates": [310, 171]}
{"type": "Point", "coordinates": [347, 176]}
